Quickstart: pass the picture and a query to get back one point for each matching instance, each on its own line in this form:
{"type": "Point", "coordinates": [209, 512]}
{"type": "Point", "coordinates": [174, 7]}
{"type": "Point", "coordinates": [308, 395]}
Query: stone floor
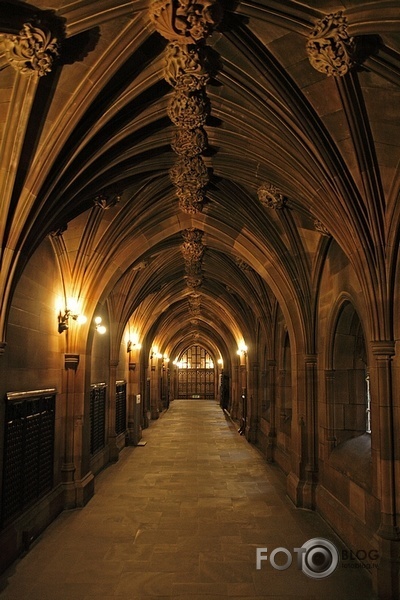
{"type": "Point", "coordinates": [181, 518]}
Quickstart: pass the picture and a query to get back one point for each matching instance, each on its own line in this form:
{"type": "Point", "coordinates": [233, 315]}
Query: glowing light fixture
{"type": "Point", "coordinates": [99, 327]}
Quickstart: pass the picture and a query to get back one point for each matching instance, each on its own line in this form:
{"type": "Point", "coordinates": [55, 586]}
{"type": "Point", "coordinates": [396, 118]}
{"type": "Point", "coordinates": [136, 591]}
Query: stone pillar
{"type": "Point", "coordinates": [154, 395]}
{"type": "Point", "coordinates": [272, 410]}
{"type": "Point", "coordinates": [309, 437]}
{"type": "Point", "coordinates": [77, 478]}
{"type": "Point", "coordinates": [111, 434]}
{"type": "Point", "coordinates": [384, 417]}
{"type": "Point", "coordinates": [252, 403]}
{"type": "Point", "coordinates": [134, 430]}
{"type": "Point", "coordinates": [302, 479]}
{"type": "Point", "coordinates": [234, 410]}
{"type": "Point", "coordinates": [329, 442]}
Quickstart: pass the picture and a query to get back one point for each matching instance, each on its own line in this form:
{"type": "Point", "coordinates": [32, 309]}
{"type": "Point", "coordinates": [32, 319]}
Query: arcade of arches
{"type": "Point", "coordinates": [201, 200]}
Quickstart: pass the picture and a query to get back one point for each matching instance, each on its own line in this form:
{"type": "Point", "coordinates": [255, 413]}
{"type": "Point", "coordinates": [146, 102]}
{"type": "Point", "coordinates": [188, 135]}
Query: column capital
{"type": "Point", "coordinates": [383, 348]}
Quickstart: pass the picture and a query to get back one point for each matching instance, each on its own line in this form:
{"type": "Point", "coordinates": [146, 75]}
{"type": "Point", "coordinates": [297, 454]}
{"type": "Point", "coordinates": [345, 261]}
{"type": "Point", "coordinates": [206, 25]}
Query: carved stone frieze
{"type": "Point", "coordinates": [189, 142]}
{"type": "Point", "coordinates": [185, 21]}
{"type": "Point", "coordinates": [320, 227]}
{"type": "Point", "coordinates": [189, 111]}
{"type": "Point", "coordinates": [186, 67]}
{"type": "Point", "coordinates": [190, 173]}
{"type": "Point", "coordinates": [32, 51]}
{"type": "Point", "coordinates": [330, 48]}
{"type": "Point", "coordinates": [270, 196]}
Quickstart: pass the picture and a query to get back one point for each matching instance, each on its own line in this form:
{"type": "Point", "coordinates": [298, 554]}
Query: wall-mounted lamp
{"type": "Point", "coordinates": [132, 346]}
{"type": "Point", "coordinates": [242, 349]}
{"type": "Point", "coordinates": [99, 328]}
{"type": "Point", "coordinates": [63, 319]}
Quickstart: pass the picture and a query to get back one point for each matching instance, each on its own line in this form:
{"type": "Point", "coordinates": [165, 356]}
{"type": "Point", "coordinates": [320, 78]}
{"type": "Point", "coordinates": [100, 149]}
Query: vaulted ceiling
{"type": "Point", "coordinates": [297, 146]}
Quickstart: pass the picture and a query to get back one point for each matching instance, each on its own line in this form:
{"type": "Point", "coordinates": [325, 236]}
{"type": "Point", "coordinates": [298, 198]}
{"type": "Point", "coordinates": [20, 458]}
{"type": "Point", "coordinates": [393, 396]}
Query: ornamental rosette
{"type": "Point", "coordinates": [190, 173]}
{"type": "Point", "coordinates": [330, 48]}
{"type": "Point", "coordinates": [189, 142]}
{"type": "Point", "coordinates": [270, 196]}
{"type": "Point", "coordinates": [185, 21]}
{"type": "Point", "coordinates": [189, 111]}
{"type": "Point", "coordinates": [32, 51]}
{"type": "Point", "coordinates": [185, 67]}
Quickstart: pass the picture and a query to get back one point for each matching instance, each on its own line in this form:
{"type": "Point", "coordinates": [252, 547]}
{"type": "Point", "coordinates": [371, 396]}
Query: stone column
{"type": "Point", "coordinates": [76, 474]}
{"type": "Point", "coordinates": [302, 479]}
{"type": "Point", "coordinates": [252, 403]}
{"type": "Point", "coordinates": [272, 410]}
{"type": "Point", "coordinates": [309, 437]}
{"type": "Point", "coordinates": [154, 410]}
{"type": "Point", "coordinates": [111, 434]}
{"type": "Point", "coordinates": [384, 417]}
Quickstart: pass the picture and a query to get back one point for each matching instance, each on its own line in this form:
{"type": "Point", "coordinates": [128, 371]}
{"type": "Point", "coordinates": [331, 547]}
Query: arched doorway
{"type": "Point", "coordinates": [196, 374]}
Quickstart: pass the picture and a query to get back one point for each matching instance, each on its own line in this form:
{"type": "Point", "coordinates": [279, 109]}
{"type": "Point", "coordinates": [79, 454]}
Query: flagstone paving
{"type": "Point", "coordinates": [181, 518]}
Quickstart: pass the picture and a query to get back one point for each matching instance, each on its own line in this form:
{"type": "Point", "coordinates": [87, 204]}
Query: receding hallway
{"type": "Point", "coordinates": [181, 517]}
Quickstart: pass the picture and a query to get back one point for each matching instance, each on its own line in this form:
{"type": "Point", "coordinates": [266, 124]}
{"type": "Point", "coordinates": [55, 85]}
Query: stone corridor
{"type": "Point", "coordinates": [181, 517]}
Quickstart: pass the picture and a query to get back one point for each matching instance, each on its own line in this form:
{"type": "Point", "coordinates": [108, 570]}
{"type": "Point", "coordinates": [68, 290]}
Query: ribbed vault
{"type": "Point", "coordinates": [96, 158]}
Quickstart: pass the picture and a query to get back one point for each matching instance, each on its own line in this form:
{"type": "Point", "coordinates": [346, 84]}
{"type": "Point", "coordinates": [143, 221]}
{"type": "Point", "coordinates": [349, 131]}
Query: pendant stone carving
{"type": "Point", "coordinates": [32, 51]}
{"type": "Point", "coordinates": [330, 48]}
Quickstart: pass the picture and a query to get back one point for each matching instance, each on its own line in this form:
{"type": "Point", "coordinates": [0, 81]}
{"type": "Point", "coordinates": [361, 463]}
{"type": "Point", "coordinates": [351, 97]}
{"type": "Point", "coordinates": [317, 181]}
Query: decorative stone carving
{"type": "Point", "coordinates": [192, 247]}
{"type": "Point", "coordinates": [190, 173]}
{"type": "Point", "coordinates": [194, 281]}
{"type": "Point", "coordinates": [105, 201]}
{"type": "Point", "coordinates": [329, 47]}
{"type": "Point", "coordinates": [189, 111]}
{"type": "Point", "coordinates": [190, 201]}
{"type": "Point", "coordinates": [270, 196]}
{"type": "Point", "coordinates": [185, 67]}
{"type": "Point", "coordinates": [32, 51]}
{"type": "Point", "coordinates": [185, 21]}
{"type": "Point", "coordinates": [189, 142]}
{"type": "Point", "coordinates": [320, 227]}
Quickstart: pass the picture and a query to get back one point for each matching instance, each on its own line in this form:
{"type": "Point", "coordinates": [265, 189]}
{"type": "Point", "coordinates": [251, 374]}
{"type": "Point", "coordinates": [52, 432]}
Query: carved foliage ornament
{"type": "Point", "coordinates": [270, 196]}
{"type": "Point", "coordinates": [190, 173]}
{"type": "Point", "coordinates": [186, 67]}
{"type": "Point", "coordinates": [185, 21]}
{"type": "Point", "coordinates": [320, 227]}
{"type": "Point", "coordinates": [192, 248]}
{"type": "Point", "coordinates": [32, 51]}
{"type": "Point", "coordinates": [189, 142]}
{"type": "Point", "coordinates": [107, 201]}
{"type": "Point", "coordinates": [329, 47]}
{"type": "Point", "coordinates": [189, 111]}
{"type": "Point", "coordinates": [190, 201]}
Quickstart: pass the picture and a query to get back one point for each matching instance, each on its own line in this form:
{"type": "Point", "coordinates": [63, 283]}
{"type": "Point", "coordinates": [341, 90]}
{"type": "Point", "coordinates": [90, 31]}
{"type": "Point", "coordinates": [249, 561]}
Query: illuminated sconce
{"type": "Point", "coordinates": [63, 319]}
{"type": "Point", "coordinates": [99, 327]}
{"type": "Point", "coordinates": [132, 346]}
{"type": "Point", "coordinates": [220, 362]}
{"type": "Point", "coordinates": [242, 349]}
